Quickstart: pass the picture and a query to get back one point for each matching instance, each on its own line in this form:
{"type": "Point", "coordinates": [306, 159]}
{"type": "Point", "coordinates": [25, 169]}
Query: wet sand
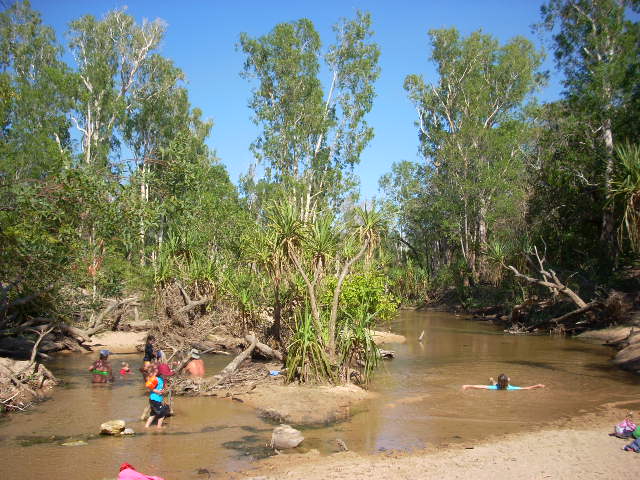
{"type": "Point", "coordinates": [580, 448]}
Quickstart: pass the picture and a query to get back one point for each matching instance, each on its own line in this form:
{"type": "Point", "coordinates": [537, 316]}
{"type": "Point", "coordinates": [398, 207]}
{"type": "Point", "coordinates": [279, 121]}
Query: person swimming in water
{"type": "Point", "coordinates": [501, 384]}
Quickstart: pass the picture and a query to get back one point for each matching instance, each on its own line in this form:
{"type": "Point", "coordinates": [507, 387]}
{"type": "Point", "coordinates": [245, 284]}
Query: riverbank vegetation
{"type": "Point", "coordinates": [113, 207]}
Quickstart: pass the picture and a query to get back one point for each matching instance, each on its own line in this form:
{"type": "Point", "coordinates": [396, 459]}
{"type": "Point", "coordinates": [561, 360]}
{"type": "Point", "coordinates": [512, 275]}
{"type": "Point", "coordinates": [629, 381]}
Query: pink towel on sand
{"type": "Point", "coordinates": [131, 474]}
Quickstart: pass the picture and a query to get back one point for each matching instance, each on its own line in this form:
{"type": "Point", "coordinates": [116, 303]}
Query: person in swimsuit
{"type": "Point", "coordinates": [101, 368]}
{"type": "Point", "coordinates": [501, 384]}
{"type": "Point", "coordinates": [159, 410]}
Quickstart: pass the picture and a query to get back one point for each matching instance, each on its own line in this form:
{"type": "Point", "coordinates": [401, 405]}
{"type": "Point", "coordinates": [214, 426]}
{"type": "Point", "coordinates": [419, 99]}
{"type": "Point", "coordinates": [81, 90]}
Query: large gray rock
{"type": "Point", "coordinates": [285, 436]}
{"type": "Point", "coordinates": [629, 358]}
{"type": "Point", "coordinates": [112, 427]}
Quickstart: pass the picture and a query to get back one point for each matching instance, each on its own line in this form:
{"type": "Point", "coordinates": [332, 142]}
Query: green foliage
{"type": "Point", "coordinates": [355, 342]}
{"type": "Point", "coordinates": [34, 86]}
{"type": "Point", "coordinates": [365, 294]}
{"type": "Point", "coordinates": [306, 357]}
{"type": "Point", "coordinates": [309, 139]}
{"type": "Point", "coordinates": [626, 191]}
{"type": "Point", "coordinates": [472, 131]}
{"type": "Point", "coordinates": [596, 45]}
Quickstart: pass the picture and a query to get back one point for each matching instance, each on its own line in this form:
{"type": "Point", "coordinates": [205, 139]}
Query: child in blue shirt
{"type": "Point", "coordinates": [501, 384]}
{"type": "Point", "coordinates": [159, 410]}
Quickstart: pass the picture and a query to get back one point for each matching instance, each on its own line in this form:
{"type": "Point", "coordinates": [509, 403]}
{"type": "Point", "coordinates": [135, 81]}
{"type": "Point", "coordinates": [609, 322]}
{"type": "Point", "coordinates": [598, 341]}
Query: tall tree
{"type": "Point", "coordinates": [159, 113]}
{"type": "Point", "coordinates": [34, 138]}
{"type": "Point", "coordinates": [471, 132]}
{"type": "Point", "coordinates": [111, 55]}
{"type": "Point", "coordinates": [308, 137]}
{"type": "Point", "coordinates": [596, 46]}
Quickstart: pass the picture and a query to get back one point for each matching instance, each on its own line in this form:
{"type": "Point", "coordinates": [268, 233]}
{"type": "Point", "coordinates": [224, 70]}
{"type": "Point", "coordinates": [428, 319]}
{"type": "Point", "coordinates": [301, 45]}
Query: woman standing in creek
{"type": "Point", "coordinates": [101, 368]}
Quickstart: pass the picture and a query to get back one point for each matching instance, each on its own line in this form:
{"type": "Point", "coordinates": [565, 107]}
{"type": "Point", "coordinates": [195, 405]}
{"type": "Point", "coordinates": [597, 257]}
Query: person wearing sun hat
{"type": "Point", "coordinates": [101, 368]}
{"type": "Point", "coordinates": [195, 367]}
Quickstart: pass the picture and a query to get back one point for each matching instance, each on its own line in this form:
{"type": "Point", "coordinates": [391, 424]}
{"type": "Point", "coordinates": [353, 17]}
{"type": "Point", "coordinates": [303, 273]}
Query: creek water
{"type": "Point", "coordinates": [419, 405]}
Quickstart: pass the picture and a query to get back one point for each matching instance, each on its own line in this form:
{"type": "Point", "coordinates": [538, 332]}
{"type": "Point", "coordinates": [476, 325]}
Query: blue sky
{"type": "Point", "coordinates": [202, 35]}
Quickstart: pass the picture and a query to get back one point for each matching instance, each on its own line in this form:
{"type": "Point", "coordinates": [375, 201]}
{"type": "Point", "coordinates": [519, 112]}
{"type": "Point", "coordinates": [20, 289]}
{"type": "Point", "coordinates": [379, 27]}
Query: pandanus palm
{"type": "Point", "coordinates": [292, 238]}
{"type": "Point", "coordinates": [366, 227]}
{"type": "Point", "coordinates": [626, 189]}
{"type": "Point", "coordinates": [264, 252]}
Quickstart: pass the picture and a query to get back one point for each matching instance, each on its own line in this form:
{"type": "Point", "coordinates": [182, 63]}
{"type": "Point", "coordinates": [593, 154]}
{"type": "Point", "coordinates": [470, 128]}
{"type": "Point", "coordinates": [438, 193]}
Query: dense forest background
{"type": "Point", "coordinates": [112, 203]}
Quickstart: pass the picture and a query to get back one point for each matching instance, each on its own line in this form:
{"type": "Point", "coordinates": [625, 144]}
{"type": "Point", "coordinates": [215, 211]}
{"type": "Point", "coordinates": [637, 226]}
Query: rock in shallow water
{"type": "Point", "coordinates": [76, 443]}
{"type": "Point", "coordinates": [285, 436]}
{"type": "Point", "coordinates": [112, 427]}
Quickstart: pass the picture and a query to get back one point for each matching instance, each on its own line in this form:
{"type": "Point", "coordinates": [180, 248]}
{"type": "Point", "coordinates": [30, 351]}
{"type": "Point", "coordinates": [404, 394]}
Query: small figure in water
{"type": "Point", "coordinates": [195, 367]}
{"type": "Point", "coordinates": [101, 368]}
{"type": "Point", "coordinates": [149, 350]}
{"type": "Point", "coordinates": [124, 369]}
{"type": "Point", "coordinates": [149, 357]}
{"type": "Point", "coordinates": [501, 384]}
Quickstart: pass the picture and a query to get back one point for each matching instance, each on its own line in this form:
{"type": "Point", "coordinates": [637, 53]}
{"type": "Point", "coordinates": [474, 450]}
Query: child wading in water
{"type": "Point", "coordinates": [156, 383]}
{"type": "Point", "coordinates": [501, 384]}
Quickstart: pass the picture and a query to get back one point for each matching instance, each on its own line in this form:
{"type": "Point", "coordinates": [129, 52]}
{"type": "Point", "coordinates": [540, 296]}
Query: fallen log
{"type": "Point", "coordinates": [587, 308]}
{"type": "Point", "coordinates": [265, 350]}
{"type": "Point", "coordinates": [98, 322]}
{"type": "Point", "coordinates": [233, 365]}
{"type": "Point", "coordinates": [74, 332]}
{"type": "Point", "coordinates": [193, 304]}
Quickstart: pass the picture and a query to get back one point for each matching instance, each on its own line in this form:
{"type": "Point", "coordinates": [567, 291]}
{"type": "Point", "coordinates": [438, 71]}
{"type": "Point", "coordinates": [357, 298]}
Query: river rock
{"type": "Point", "coordinates": [128, 431]}
{"type": "Point", "coordinates": [76, 443]}
{"type": "Point", "coordinates": [285, 436]}
{"type": "Point", "coordinates": [629, 358]}
{"type": "Point", "coordinates": [607, 335]}
{"type": "Point", "coordinates": [112, 427]}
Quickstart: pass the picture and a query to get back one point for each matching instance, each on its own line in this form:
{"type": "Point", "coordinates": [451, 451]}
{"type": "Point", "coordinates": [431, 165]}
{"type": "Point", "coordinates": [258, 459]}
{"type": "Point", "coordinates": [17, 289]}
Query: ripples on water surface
{"type": "Point", "coordinates": [419, 404]}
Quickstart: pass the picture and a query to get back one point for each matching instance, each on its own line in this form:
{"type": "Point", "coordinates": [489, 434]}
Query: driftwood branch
{"type": "Point", "coordinates": [264, 349]}
{"type": "Point", "coordinates": [113, 304]}
{"type": "Point", "coordinates": [550, 280]}
{"type": "Point", "coordinates": [34, 350]}
{"type": "Point", "coordinates": [588, 307]}
{"type": "Point", "coordinates": [233, 365]}
{"type": "Point", "coordinates": [193, 304]}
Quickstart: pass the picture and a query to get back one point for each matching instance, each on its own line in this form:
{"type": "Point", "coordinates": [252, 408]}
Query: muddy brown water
{"type": "Point", "coordinates": [420, 405]}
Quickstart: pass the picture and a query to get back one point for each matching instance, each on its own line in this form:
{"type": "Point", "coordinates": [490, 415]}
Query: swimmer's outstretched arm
{"type": "Point", "coordinates": [532, 387]}
{"type": "Point", "coordinates": [477, 387]}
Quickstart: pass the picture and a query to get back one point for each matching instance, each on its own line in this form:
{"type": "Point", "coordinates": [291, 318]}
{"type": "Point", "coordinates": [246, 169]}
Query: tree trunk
{"type": "Point", "coordinates": [277, 313]}
{"type": "Point", "coordinates": [607, 236]}
{"type": "Point", "coordinates": [336, 300]}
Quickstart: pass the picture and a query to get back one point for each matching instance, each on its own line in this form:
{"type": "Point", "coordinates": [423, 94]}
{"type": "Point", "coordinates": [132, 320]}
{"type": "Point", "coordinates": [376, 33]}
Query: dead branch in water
{"type": "Point", "coordinates": [234, 364]}
{"type": "Point", "coordinates": [34, 351]}
{"type": "Point", "coordinates": [550, 280]}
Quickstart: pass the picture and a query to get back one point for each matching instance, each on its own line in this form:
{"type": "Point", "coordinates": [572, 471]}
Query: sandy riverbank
{"type": "Point", "coordinates": [118, 342]}
{"type": "Point", "coordinates": [577, 449]}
